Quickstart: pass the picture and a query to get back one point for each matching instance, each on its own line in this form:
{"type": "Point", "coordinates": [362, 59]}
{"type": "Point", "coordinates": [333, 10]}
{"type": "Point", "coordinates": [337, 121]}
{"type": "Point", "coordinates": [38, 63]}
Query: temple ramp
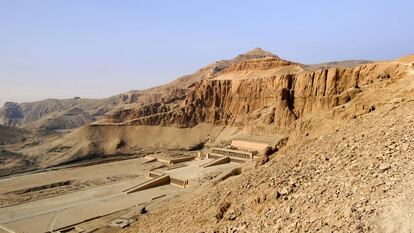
{"type": "Point", "coordinates": [217, 161]}
{"type": "Point", "coordinates": [162, 180]}
{"type": "Point", "coordinates": [182, 159]}
{"type": "Point", "coordinates": [232, 172]}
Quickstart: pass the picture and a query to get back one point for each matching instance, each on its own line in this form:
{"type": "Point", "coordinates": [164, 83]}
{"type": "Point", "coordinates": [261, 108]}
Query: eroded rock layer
{"type": "Point", "coordinates": [275, 100]}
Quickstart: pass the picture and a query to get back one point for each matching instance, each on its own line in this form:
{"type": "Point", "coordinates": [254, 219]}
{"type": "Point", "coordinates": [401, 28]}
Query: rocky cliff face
{"type": "Point", "coordinates": [350, 171]}
{"type": "Point", "coordinates": [276, 100]}
{"type": "Point", "coordinates": [266, 97]}
{"type": "Point", "coordinates": [255, 88]}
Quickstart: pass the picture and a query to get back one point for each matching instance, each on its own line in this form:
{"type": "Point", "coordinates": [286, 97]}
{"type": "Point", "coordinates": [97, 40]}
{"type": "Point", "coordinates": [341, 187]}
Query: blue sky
{"type": "Point", "coordinates": [98, 48]}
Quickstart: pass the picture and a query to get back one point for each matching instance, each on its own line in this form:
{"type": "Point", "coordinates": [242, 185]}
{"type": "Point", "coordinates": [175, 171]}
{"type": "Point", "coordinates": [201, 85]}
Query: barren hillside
{"type": "Point", "coordinates": [353, 177]}
{"type": "Point", "coordinates": [347, 166]}
{"type": "Point", "coordinates": [253, 94]}
{"type": "Point", "coordinates": [348, 129]}
{"type": "Point", "coordinates": [52, 114]}
{"type": "Point", "coordinates": [12, 134]}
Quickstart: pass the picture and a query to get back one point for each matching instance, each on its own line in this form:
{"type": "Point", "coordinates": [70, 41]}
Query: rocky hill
{"type": "Point", "coordinates": [349, 177]}
{"type": "Point", "coordinates": [52, 114]}
{"type": "Point", "coordinates": [347, 165]}
{"type": "Point", "coordinates": [265, 91]}
{"type": "Point", "coordinates": [253, 94]}
{"type": "Point", "coordinates": [55, 114]}
{"type": "Point", "coordinates": [346, 168]}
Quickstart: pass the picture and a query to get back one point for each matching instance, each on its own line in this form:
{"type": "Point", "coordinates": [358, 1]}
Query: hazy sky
{"type": "Point", "coordinates": [99, 48]}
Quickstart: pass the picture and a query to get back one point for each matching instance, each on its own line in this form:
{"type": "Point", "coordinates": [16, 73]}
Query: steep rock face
{"type": "Point", "coordinates": [146, 110]}
{"type": "Point", "coordinates": [292, 103]}
{"type": "Point", "coordinates": [277, 100]}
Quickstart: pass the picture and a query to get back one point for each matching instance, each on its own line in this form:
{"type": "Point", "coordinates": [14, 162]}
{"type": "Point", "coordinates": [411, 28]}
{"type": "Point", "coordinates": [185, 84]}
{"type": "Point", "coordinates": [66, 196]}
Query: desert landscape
{"type": "Point", "coordinates": [252, 144]}
{"type": "Point", "coordinates": [206, 117]}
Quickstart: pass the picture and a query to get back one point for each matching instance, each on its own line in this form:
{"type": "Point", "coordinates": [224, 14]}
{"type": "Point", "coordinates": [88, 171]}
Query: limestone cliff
{"type": "Point", "coordinates": [270, 98]}
{"type": "Point", "coordinates": [253, 94]}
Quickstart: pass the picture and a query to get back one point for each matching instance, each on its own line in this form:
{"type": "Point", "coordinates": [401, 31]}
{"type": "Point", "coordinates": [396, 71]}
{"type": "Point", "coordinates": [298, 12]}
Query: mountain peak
{"type": "Point", "coordinates": [259, 52]}
{"type": "Point", "coordinates": [255, 54]}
